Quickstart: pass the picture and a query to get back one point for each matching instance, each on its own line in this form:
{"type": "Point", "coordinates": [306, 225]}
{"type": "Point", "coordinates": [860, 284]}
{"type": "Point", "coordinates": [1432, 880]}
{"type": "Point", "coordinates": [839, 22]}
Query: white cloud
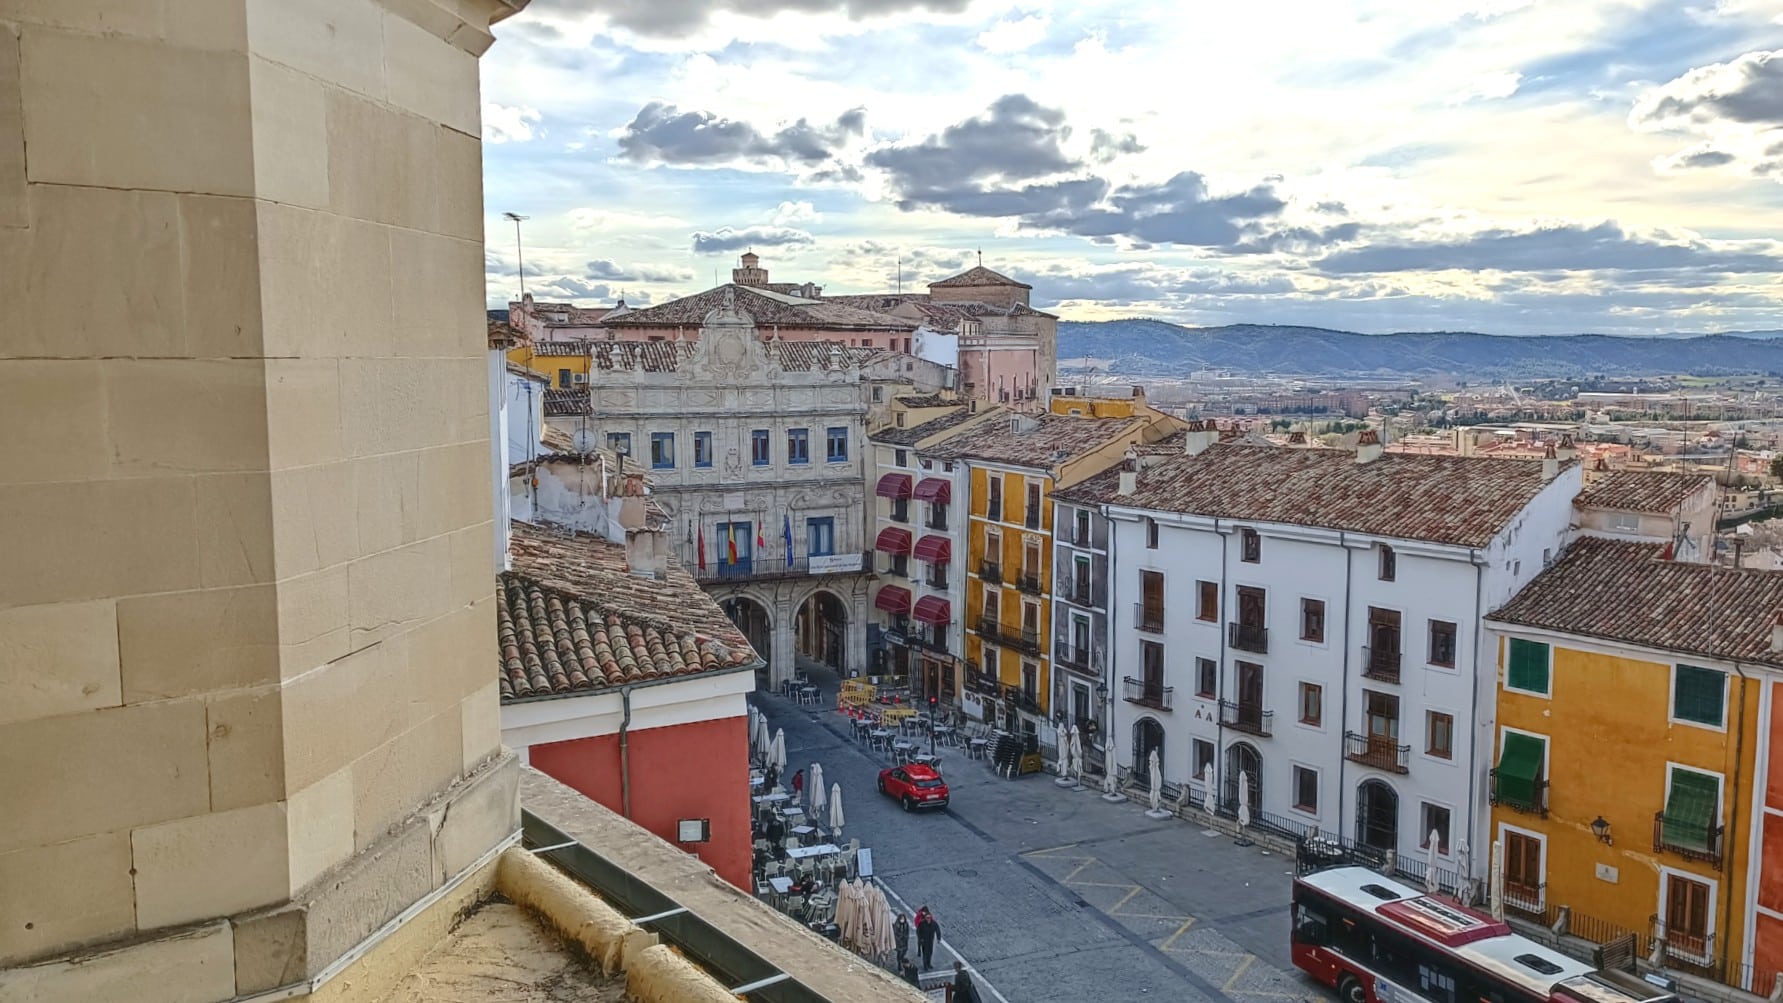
{"type": "Point", "coordinates": [1489, 87]}
{"type": "Point", "coordinates": [505, 124]}
{"type": "Point", "coordinates": [1008, 36]}
{"type": "Point", "coordinates": [795, 212]}
{"type": "Point", "coordinates": [620, 220]}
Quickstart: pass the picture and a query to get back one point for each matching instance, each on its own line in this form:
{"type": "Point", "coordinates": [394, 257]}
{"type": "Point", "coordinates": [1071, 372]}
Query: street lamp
{"type": "Point", "coordinates": [931, 724]}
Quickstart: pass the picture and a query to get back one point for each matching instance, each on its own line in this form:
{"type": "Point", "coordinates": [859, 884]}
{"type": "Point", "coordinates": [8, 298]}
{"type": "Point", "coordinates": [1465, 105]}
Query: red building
{"type": "Point", "coordinates": [622, 679]}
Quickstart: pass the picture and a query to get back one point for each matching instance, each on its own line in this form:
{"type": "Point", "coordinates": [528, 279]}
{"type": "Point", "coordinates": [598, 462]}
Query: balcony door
{"type": "Point", "coordinates": [1250, 607]}
{"type": "Point", "coordinates": [1522, 866]}
{"type": "Point", "coordinates": [1080, 640]}
{"type": "Point", "coordinates": [1031, 622]}
{"type": "Point", "coordinates": [1382, 710]}
{"type": "Point", "coordinates": [1383, 630]}
{"type": "Point", "coordinates": [1686, 915]}
{"type": "Point", "coordinates": [1250, 693]}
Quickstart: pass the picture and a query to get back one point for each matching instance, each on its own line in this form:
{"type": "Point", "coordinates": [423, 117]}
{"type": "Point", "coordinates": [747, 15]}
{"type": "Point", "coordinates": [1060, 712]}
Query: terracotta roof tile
{"type": "Point", "coordinates": [926, 400]}
{"type": "Point", "coordinates": [1050, 434]}
{"type": "Point", "coordinates": [1642, 491]}
{"type": "Point", "coordinates": [1623, 591]}
{"type": "Point", "coordinates": [1463, 501]}
{"type": "Point", "coordinates": [979, 275]}
{"type": "Point", "coordinates": [571, 619]}
{"type": "Point", "coordinates": [568, 403]}
{"type": "Point", "coordinates": [559, 349]}
{"type": "Point", "coordinates": [768, 309]}
{"type": "Point", "coordinates": [913, 434]}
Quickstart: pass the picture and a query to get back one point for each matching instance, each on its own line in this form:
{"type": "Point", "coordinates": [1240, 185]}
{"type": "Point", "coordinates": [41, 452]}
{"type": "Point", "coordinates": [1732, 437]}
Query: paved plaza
{"type": "Point", "coordinates": [1054, 894]}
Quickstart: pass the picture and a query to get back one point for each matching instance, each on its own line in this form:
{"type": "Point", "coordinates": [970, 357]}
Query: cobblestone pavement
{"type": "Point", "coordinates": [1054, 894]}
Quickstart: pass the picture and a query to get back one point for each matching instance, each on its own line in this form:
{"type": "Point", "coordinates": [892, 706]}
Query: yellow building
{"type": "Point", "coordinates": [1627, 732]}
{"type": "Point", "coordinates": [1011, 469]}
{"type": "Point", "coordinates": [564, 363]}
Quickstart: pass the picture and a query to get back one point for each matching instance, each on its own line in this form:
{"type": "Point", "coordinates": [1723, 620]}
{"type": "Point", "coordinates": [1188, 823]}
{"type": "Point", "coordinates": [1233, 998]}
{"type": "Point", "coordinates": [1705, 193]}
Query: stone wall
{"type": "Point", "coordinates": [246, 611]}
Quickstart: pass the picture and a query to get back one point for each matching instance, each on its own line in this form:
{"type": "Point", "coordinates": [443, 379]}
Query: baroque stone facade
{"type": "Point", "coordinates": [750, 442]}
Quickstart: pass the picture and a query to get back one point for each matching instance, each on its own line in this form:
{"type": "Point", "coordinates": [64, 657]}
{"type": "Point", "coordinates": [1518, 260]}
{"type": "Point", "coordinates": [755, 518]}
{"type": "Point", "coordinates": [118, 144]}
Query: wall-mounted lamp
{"type": "Point", "coordinates": [1601, 829]}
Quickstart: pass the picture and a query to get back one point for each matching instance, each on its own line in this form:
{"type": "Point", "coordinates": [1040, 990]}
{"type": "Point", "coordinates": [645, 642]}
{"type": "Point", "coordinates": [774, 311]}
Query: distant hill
{"type": "Point", "coordinates": [1155, 348]}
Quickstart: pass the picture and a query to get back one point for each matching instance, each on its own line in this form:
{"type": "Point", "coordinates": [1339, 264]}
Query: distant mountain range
{"type": "Point", "coordinates": [1156, 348]}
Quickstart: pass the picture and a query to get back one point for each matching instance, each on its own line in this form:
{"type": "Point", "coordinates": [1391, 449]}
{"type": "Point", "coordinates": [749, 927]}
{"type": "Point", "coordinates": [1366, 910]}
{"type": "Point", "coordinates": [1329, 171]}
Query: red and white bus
{"type": "Point", "coordinates": [1377, 940]}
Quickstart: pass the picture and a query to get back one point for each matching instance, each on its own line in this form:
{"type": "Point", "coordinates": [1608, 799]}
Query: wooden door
{"type": "Point", "coordinates": [1250, 606]}
{"type": "Point", "coordinates": [1686, 914]}
{"type": "Point", "coordinates": [1523, 864]}
{"type": "Point", "coordinates": [1383, 629]}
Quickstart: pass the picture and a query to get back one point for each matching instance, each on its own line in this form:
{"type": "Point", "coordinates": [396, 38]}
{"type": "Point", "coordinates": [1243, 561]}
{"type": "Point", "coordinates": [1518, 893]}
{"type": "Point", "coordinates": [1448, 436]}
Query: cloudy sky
{"type": "Point", "coordinates": [1514, 166]}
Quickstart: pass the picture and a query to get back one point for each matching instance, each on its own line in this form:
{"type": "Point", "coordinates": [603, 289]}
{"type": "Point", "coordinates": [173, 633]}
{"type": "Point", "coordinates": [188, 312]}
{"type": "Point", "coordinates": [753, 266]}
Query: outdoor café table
{"type": "Point", "coordinates": [803, 830]}
{"type": "Point", "coordinates": [755, 782]}
{"type": "Point", "coordinates": [791, 813]}
{"type": "Point", "coordinates": [925, 759]}
{"type": "Point", "coordinates": [807, 852]}
{"type": "Point", "coordinates": [944, 731]}
{"type": "Point", "coordinates": [880, 736]}
{"type": "Point", "coordinates": [774, 798]}
{"type": "Point", "coordinates": [781, 885]}
{"type": "Point", "coordinates": [904, 745]}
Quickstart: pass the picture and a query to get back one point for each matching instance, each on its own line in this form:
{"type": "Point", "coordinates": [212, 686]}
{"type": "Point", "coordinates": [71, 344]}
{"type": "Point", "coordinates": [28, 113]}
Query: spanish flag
{"type": "Point", "coordinates": [731, 541]}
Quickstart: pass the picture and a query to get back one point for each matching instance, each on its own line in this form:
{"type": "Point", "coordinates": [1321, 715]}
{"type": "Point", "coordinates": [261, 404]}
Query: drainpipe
{"type": "Point", "coordinates": [1343, 702]}
{"type": "Point", "coordinates": [1473, 739]}
{"type": "Point", "coordinates": [625, 751]}
{"type": "Point", "coordinates": [1108, 610]}
{"type": "Point", "coordinates": [1733, 822]}
{"type": "Point", "coordinates": [1219, 678]}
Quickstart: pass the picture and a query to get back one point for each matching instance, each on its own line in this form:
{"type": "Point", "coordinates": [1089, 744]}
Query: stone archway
{"type": "Point", "coordinates": [1377, 815]}
{"type": "Point", "coordinates": [757, 624]}
{"type": "Point", "coordinates": [820, 630]}
{"type": "Point", "coordinates": [1148, 734]}
{"type": "Point", "coordinates": [1243, 758]}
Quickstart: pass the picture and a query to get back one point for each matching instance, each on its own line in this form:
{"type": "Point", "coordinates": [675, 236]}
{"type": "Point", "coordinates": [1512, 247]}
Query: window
{"type": "Point", "coordinates": [1207, 678]}
{"type": "Point", "coordinates": [993, 670]}
{"type": "Point", "coordinates": [1151, 591]}
{"type": "Point", "coordinates": [1033, 513]}
{"type": "Point", "coordinates": [1306, 789]}
{"type": "Point", "coordinates": [820, 536]}
{"type": "Point", "coordinates": [662, 450]}
{"type": "Point", "coordinates": [1442, 643]}
{"type": "Point", "coordinates": [760, 453]}
{"type": "Point", "coordinates": [1439, 735]}
{"type": "Point", "coordinates": [1382, 713]}
{"type": "Point", "coordinates": [994, 503]}
{"type": "Point", "coordinates": [1207, 601]}
{"type": "Point", "coordinates": [1528, 668]}
{"type": "Point", "coordinates": [878, 394]}
{"type": "Point", "coordinates": [1312, 620]}
{"type": "Point", "coordinates": [835, 444]}
{"type": "Point", "coordinates": [898, 419]}
{"type": "Point", "coordinates": [1687, 914]}
{"type": "Point", "coordinates": [1030, 680]}
{"type": "Point", "coordinates": [1151, 666]}
{"type": "Point", "coordinates": [1624, 522]}
{"type": "Point", "coordinates": [619, 443]}
{"type": "Point", "coordinates": [1080, 580]}
{"type": "Point", "coordinates": [1312, 704]}
{"type": "Point", "coordinates": [1389, 564]}
{"type": "Point", "coordinates": [1083, 527]}
{"type": "Point", "coordinates": [900, 457]}
{"type": "Point", "coordinates": [1523, 865]}
{"type": "Point", "coordinates": [1031, 559]}
{"type": "Point", "coordinates": [1202, 756]}
{"type": "Point", "coordinates": [1699, 696]}
{"type": "Point", "coordinates": [702, 449]}
{"type": "Point", "coordinates": [1435, 820]}
{"type": "Point", "coordinates": [1252, 550]}
{"type": "Point", "coordinates": [1692, 818]}
{"type": "Point", "coordinates": [1151, 533]}
{"type": "Point", "coordinates": [798, 445]}
{"type": "Point", "coordinates": [563, 377]}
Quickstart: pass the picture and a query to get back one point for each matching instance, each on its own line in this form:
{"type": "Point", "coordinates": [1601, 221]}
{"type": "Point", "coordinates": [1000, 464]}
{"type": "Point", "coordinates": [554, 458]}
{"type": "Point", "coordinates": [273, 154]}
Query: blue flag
{"type": "Point", "coordinates": [786, 531]}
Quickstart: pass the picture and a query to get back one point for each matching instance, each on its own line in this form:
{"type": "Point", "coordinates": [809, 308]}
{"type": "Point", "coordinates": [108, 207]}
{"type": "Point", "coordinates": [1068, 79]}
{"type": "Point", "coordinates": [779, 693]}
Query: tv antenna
{"type": "Point", "coordinates": [519, 249]}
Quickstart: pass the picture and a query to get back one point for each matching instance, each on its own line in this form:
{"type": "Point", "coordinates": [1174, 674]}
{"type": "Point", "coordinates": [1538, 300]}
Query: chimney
{"type": "Point", "coordinates": [1777, 634]}
{"type": "Point", "coordinates": [1550, 464]}
{"type": "Point", "coordinates": [1296, 438]}
{"type": "Point", "coordinates": [1129, 481]}
{"type": "Point", "coordinates": [1566, 452]}
{"type": "Point", "coordinates": [1368, 446]}
{"type": "Point", "coordinates": [1196, 440]}
{"type": "Point", "coordinates": [647, 552]}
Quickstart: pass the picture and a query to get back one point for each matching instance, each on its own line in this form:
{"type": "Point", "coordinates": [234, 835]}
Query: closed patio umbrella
{"type": "Point", "coordinates": [1207, 798]}
{"type": "Point", "coordinates": [762, 742]}
{"type": "Point", "coordinates": [1435, 846]}
{"type": "Point", "coordinates": [1156, 779]}
{"type": "Point", "coordinates": [1244, 799]}
{"type": "Point", "coordinates": [778, 755]}
{"type": "Point", "coordinates": [836, 818]}
{"type": "Point", "coordinates": [1077, 753]}
{"type": "Point", "coordinates": [819, 795]}
{"type": "Point", "coordinates": [1110, 786]}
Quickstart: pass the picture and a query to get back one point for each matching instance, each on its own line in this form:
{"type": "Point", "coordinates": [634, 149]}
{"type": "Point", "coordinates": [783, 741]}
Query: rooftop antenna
{"type": "Point", "coordinates": [519, 248]}
{"type": "Point", "coordinates": [900, 275]}
{"type": "Point", "coordinates": [981, 257]}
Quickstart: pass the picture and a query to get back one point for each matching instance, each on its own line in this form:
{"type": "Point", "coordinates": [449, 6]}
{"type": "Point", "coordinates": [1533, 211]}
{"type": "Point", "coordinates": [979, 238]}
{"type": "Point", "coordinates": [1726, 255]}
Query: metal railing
{"type": "Point", "coordinates": [1377, 751]}
{"type": "Point", "coordinates": [1381, 664]}
{"type": "Point", "coordinates": [930, 637]}
{"type": "Point", "coordinates": [1033, 519]}
{"type": "Point", "coordinates": [1147, 694]}
{"type": "Point", "coordinates": [1679, 837]}
{"type": "Point", "coordinates": [1072, 657]}
{"type": "Point", "coordinates": [1079, 596]}
{"type": "Point", "coordinates": [1148, 618]}
{"type": "Point", "coordinates": [1250, 718]}
{"type": "Point", "coordinates": [936, 521]}
{"type": "Point", "coordinates": [991, 572]}
{"type": "Point", "coordinates": [1253, 637]}
{"type": "Point", "coordinates": [1526, 900]}
{"type": "Point", "coordinates": [1022, 699]}
{"type": "Point", "coordinates": [1028, 583]}
{"type": "Point", "coordinates": [1535, 805]}
{"type": "Point", "coordinates": [937, 577]}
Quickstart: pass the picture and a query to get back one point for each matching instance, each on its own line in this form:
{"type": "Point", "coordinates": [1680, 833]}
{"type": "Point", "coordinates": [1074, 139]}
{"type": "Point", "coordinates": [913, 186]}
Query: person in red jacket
{"type": "Point", "coordinates": [798, 786]}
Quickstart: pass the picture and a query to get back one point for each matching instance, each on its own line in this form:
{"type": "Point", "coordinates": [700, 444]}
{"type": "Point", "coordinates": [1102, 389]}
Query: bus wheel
{"type": "Point", "coordinates": [1350, 990]}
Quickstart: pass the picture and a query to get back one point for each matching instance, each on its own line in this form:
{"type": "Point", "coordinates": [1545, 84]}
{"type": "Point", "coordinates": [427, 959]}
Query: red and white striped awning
{"type": "Point", "coordinates": [936, 490]}
{"type": "Point", "coordinates": [893, 599]}
{"type": "Point", "coordinates": [932, 609]}
{"type": "Point", "coordinates": [934, 549]}
{"type": "Point", "coordinates": [893, 486]}
{"type": "Point", "coordinates": [893, 540]}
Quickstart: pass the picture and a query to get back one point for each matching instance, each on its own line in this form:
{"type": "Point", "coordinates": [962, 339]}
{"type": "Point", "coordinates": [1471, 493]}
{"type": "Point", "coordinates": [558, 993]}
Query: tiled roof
{"type": "Point", "coordinates": [1642, 491]}
{"type": "Point", "coordinates": [568, 403]}
{"type": "Point", "coordinates": [1051, 434]}
{"type": "Point", "coordinates": [926, 400]}
{"type": "Point", "coordinates": [768, 309]}
{"type": "Point", "coordinates": [1622, 591]}
{"type": "Point", "coordinates": [979, 276]}
{"type": "Point", "coordinates": [914, 434]}
{"type": "Point", "coordinates": [639, 356]}
{"type": "Point", "coordinates": [1463, 501]}
{"type": "Point", "coordinates": [557, 440]}
{"type": "Point", "coordinates": [571, 619]}
{"type": "Point", "coordinates": [558, 349]}
{"type": "Point", "coordinates": [501, 334]}
{"type": "Point", "coordinates": [807, 356]}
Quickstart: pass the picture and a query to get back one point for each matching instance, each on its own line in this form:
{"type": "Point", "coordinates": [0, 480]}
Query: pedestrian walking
{"type": "Point", "coordinates": [901, 935]}
{"type": "Point", "coordinates": [907, 968]}
{"type": "Point", "coordinates": [798, 786]}
{"type": "Point", "coordinates": [927, 932]}
{"type": "Point", "coordinates": [963, 989]}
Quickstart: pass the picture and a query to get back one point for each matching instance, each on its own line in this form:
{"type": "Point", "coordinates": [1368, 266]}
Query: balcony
{"type": "Point", "coordinates": [1249, 718]}
{"type": "Point", "coordinates": [1148, 694]}
{"type": "Point", "coordinates": [936, 520]}
{"type": "Point", "coordinates": [937, 577]}
{"type": "Point", "coordinates": [929, 638]}
{"type": "Point", "coordinates": [1689, 838]}
{"type": "Point", "coordinates": [991, 572]}
{"type": "Point", "coordinates": [771, 568]}
{"type": "Point", "coordinates": [1076, 659]}
{"type": "Point", "coordinates": [1079, 596]}
{"type": "Point", "coordinates": [1022, 638]}
{"type": "Point", "coordinates": [1148, 618]}
{"type": "Point", "coordinates": [1252, 637]}
{"type": "Point", "coordinates": [1377, 751]}
{"type": "Point", "coordinates": [1380, 664]}
{"type": "Point", "coordinates": [1029, 584]}
{"type": "Point", "coordinates": [1023, 700]}
{"type": "Point", "coordinates": [981, 684]}
{"type": "Point", "coordinates": [1510, 797]}
{"type": "Point", "coordinates": [1530, 901]}
{"type": "Point", "coordinates": [1033, 517]}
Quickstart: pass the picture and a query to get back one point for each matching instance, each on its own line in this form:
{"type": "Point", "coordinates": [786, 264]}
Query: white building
{"type": "Point", "coordinates": [1309, 620]}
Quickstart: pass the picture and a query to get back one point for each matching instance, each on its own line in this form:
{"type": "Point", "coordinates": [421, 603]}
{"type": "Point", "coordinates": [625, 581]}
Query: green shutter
{"type": "Point", "coordinates": [1699, 695]}
{"type": "Point", "coordinates": [1528, 666]}
{"type": "Point", "coordinates": [1519, 769]}
{"type": "Point", "coordinates": [1690, 809]}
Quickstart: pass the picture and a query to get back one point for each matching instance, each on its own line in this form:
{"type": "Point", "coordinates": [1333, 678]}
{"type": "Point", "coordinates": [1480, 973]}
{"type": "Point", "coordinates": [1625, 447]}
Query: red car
{"type": "Point", "coordinates": [914, 785]}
